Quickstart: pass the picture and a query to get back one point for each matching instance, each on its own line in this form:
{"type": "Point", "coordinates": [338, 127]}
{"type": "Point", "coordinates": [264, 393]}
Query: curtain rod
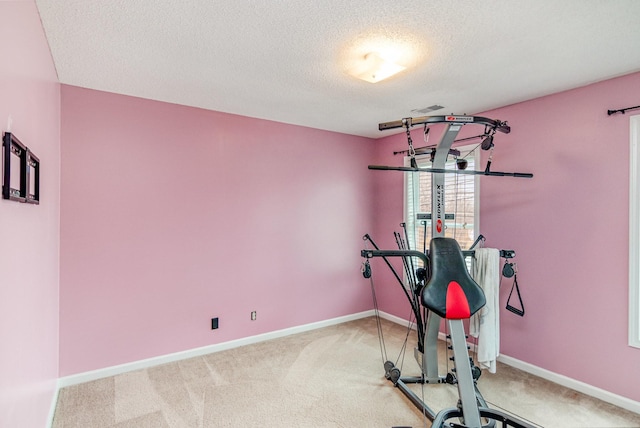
{"type": "Point", "coordinates": [622, 110]}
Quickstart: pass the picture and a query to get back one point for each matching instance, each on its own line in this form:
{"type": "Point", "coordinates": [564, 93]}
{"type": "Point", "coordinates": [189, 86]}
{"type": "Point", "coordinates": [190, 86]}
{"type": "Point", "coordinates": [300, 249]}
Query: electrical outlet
{"type": "Point", "coordinates": [254, 315]}
{"type": "Point", "coordinates": [214, 323]}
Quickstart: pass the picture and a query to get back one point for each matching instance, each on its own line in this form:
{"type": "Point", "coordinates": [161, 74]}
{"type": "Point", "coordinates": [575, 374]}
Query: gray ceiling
{"type": "Point", "coordinates": [289, 60]}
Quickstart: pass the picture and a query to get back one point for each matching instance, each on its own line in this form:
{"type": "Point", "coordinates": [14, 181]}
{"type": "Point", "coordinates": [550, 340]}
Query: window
{"type": "Point", "coordinates": [634, 233]}
{"type": "Point", "coordinates": [461, 201]}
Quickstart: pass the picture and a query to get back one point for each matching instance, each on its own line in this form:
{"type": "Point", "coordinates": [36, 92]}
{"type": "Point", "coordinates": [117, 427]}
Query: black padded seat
{"type": "Point", "coordinates": [451, 293]}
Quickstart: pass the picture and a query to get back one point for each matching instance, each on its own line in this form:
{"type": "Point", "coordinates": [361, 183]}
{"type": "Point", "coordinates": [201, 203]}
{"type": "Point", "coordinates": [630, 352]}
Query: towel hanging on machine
{"type": "Point", "coordinates": [485, 324]}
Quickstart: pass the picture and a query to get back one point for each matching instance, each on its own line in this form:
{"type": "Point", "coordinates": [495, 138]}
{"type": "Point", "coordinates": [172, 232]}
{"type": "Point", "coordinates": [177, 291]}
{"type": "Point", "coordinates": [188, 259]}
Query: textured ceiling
{"type": "Point", "coordinates": [289, 60]}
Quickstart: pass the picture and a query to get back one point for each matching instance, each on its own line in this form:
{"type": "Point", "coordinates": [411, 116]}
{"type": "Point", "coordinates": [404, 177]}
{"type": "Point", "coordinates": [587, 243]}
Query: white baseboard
{"type": "Point", "coordinates": [567, 382]}
{"type": "Point", "coordinates": [197, 352]}
{"type": "Point", "coordinates": [576, 385]}
{"type": "Point", "coordinates": [54, 403]}
{"type": "Point", "coordinates": [395, 319]}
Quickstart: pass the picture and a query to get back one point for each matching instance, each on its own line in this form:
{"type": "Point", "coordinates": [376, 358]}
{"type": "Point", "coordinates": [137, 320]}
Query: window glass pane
{"type": "Point", "coordinates": [460, 202]}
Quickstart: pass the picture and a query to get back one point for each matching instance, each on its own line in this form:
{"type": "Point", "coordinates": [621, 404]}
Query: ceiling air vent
{"type": "Point", "coordinates": [427, 109]}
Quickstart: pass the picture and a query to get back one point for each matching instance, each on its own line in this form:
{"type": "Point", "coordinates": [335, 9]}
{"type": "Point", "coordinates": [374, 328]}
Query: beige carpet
{"type": "Point", "coordinates": [331, 377]}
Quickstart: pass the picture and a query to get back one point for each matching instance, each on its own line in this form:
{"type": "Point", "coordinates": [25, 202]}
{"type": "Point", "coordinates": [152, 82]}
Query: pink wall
{"type": "Point", "coordinates": [29, 255]}
{"type": "Point", "coordinates": [569, 226]}
{"type": "Point", "coordinates": [173, 215]}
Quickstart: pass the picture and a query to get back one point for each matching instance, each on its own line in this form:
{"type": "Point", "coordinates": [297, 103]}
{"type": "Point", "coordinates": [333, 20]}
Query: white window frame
{"type": "Point", "coordinates": [634, 232]}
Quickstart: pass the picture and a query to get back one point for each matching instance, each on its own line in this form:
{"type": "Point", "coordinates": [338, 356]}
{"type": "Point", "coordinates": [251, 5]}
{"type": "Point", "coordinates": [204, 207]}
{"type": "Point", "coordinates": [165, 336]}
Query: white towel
{"type": "Point", "coordinates": [485, 324]}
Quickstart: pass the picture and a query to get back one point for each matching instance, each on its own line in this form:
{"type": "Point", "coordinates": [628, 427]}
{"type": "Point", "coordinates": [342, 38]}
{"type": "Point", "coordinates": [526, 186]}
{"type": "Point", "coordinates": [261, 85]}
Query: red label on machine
{"type": "Point", "coordinates": [459, 118]}
{"type": "Point", "coordinates": [439, 226]}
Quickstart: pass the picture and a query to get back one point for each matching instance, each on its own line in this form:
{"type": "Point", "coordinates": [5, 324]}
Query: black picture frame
{"type": "Point", "coordinates": [17, 155]}
{"type": "Point", "coordinates": [33, 178]}
{"type": "Point", "coordinates": [13, 148]}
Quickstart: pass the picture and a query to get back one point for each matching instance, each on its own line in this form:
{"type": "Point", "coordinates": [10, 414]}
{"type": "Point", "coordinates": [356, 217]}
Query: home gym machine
{"type": "Point", "coordinates": [443, 288]}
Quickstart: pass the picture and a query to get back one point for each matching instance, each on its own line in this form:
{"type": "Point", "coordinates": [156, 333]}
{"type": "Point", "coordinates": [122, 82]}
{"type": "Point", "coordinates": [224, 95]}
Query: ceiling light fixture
{"type": "Point", "coordinates": [375, 68]}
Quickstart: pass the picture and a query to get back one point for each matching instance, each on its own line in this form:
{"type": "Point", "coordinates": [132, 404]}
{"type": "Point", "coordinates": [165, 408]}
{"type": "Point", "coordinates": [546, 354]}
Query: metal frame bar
{"type": "Point", "coordinates": [462, 120]}
{"type": "Point", "coordinates": [451, 171]}
{"type": "Point", "coordinates": [466, 389]}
